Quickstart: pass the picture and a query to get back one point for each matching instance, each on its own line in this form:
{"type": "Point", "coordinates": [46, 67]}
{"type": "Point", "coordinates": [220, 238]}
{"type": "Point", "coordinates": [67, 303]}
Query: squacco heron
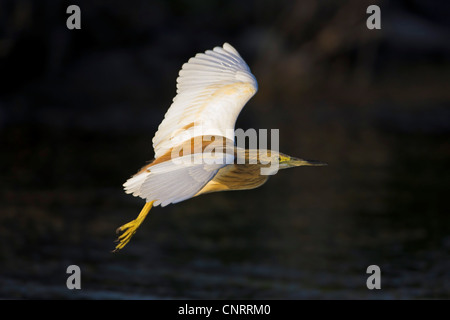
{"type": "Point", "coordinates": [212, 89]}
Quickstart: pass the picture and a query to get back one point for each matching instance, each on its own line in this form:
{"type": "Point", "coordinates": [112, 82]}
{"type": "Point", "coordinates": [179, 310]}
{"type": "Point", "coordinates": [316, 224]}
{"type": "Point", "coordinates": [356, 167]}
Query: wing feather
{"type": "Point", "coordinates": [212, 89]}
{"type": "Point", "coordinates": [169, 182]}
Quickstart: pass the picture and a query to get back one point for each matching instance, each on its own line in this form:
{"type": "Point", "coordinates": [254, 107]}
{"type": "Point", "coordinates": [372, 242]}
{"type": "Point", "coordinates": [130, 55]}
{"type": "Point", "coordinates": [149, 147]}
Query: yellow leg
{"type": "Point", "coordinates": [129, 229]}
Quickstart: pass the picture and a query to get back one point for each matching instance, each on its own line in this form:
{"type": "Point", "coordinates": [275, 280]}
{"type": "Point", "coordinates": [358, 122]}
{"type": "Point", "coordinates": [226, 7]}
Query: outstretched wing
{"type": "Point", "coordinates": [212, 89]}
{"type": "Point", "coordinates": [177, 179]}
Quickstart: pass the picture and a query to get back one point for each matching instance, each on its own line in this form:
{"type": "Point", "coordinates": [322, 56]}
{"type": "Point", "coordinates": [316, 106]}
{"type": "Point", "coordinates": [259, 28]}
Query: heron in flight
{"type": "Point", "coordinates": [194, 146]}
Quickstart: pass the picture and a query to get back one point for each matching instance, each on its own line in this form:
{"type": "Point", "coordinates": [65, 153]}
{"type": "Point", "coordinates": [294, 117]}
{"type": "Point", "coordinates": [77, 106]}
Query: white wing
{"type": "Point", "coordinates": [212, 89]}
{"type": "Point", "coordinates": [169, 182]}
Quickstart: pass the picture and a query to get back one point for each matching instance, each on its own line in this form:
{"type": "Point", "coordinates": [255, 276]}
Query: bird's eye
{"type": "Point", "coordinates": [279, 159]}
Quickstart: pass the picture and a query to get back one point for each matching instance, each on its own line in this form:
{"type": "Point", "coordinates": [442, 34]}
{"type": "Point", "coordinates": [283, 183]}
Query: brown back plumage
{"type": "Point", "coordinates": [234, 176]}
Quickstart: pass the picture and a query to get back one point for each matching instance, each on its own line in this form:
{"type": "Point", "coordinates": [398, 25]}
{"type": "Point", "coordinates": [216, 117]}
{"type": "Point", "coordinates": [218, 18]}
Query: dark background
{"type": "Point", "coordinates": [78, 110]}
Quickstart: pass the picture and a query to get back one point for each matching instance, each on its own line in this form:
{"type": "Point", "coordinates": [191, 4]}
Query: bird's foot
{"type": "Point", "coordinates": [129, 229]}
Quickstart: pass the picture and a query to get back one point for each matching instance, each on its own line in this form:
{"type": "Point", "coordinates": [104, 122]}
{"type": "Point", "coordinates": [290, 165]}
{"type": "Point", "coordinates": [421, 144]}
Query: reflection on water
{"type": "Point", "coordinates": [307, 233]}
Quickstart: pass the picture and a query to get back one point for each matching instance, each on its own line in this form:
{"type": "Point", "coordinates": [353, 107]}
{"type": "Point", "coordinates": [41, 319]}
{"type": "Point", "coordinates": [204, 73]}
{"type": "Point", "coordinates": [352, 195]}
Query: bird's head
{"type": "Point", "coordinates": [285, 161]}
{"type": "Point", "coordinates": [275, 161]}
